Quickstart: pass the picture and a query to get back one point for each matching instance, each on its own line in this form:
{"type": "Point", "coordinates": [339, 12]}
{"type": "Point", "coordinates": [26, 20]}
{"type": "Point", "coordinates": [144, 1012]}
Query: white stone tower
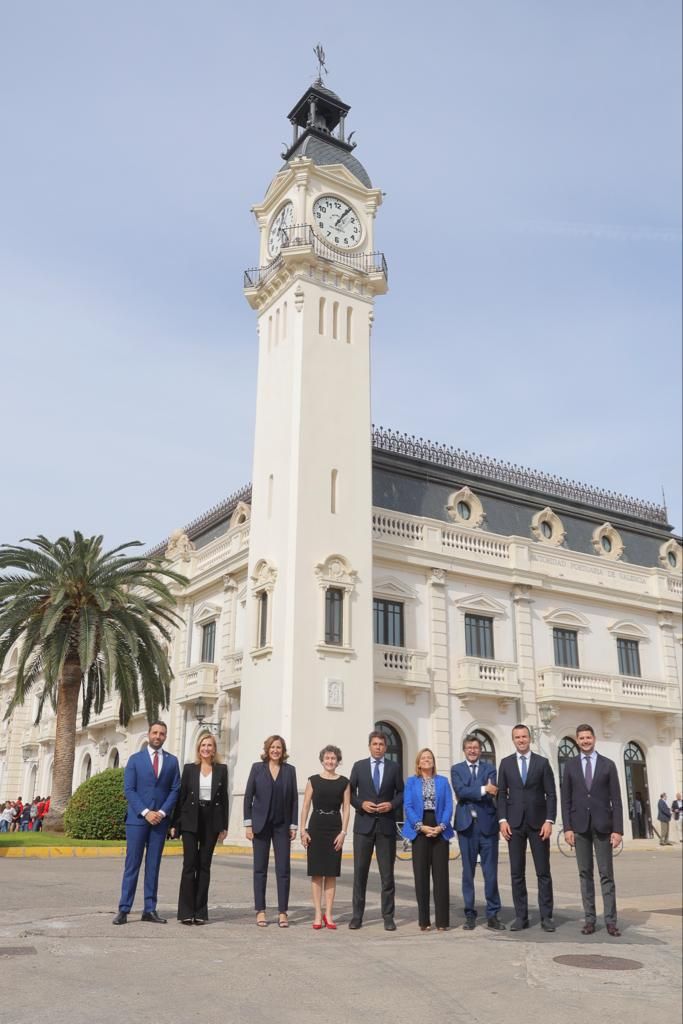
{"type": "Point", "coordinates": [308, 668]}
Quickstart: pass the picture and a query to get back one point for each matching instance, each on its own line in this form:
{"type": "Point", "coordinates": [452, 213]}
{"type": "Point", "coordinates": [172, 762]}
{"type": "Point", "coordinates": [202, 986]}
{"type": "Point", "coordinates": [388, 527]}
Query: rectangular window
{"type": "Point", "coordinates": [629, 657]}
{"type": "Point", "coordinates": [334, 616]}
{"type": "Point", "coordinates": [388, 623]}
{"type": "Point", "coordinates": [208, 641]}
{"type": "Point", "coordinates": [565, 643]}
{"type": "Point", "coordinates": [263, 619]}
{"type": "Point", "coordinates": [478, 636]}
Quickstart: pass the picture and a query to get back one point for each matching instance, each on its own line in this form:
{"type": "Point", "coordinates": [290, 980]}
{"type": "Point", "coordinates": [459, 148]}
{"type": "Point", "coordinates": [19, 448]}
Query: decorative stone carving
{"type": "Point", "coordinates": [264, 575]}
{"type": "Point", "coordinates": [180, 547]}
{"type": "Point", "coordinates": [334, 694]}
{"type": "Point", "coordinates": [547, 713]}
{"type": "Point", "coordinates": [465, 508]}
{"type": "Point", "coordinates": [671, 556]}
{"type": "Point", "coordinates": [335, 571]}
{"type": "Point", "coordinates": [610, 719]}
{"type": "Point", "coordinates": [607, 542]}
{"type": "Point", "coordinates": [547, 527]}
{"type": "Point", "coordinates": [299, 299]}
{"type": "Point", "coordinates": [241, 515]}
{"type": "Point", "coordinates": [438, 576]}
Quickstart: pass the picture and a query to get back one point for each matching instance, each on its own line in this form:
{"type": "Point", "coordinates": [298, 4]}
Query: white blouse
{"type": "Point", "coordinates": [205, 786]}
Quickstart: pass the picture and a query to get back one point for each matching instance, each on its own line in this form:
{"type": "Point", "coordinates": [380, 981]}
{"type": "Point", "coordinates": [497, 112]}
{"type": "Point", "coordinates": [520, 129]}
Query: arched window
{"type": "Point", "coordinates": [394, 743]}
{"type": "Point", "coordinates": [567, 749]}
{"type": "Point", "coordinates": [335, 320]}
{"type": "Point", "coordinates": [321, 317]}
{"type": "Point", "coordinates": [634, 754]}
{"type": "Point", "coordinates": [349, 324]}
{"type": "Point", "coordinates": [86, 769]}
{"type": "Point", "coordinates": [488, 750]}
{"type": "Point", "coordinates": [334, 475]}
{"type": "Point", "coordinates": [113, 758]}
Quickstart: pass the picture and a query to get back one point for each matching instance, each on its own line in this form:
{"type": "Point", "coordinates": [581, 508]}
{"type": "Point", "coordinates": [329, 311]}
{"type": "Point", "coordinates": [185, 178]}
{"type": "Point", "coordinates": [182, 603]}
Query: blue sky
{"type": "Point", "coordinates": [531, 158]}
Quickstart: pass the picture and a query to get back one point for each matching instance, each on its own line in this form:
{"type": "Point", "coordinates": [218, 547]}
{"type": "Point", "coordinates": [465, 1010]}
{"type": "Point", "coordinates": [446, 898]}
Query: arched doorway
{"type": "Point", "coordinates": [394, 743]}
{"type": "Point", "coordinates": [86, 768]}
{"type": "Point", "coordinates": [488, 750]}
{"type": "Point", "coordinates": [566, 750]}
{"type": "Point", "coordinates": [113, 758]}
{"type": "Point", "coordinates": [31, 785]}
{"type": "Point", "coordinates": [637, 791]}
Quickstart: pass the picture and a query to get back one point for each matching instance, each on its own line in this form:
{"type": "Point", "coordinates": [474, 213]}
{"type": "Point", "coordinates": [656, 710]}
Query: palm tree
{"type": "Point", "coordinates": [85, 620]}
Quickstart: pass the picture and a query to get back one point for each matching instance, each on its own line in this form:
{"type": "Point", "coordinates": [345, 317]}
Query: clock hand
{"type": "Point", "coordinates": [340, 219]}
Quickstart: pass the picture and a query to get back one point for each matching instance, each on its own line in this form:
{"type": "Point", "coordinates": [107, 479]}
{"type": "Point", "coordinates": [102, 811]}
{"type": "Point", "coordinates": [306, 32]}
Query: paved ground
{"type": "Point", "coordinates": [61, 958]}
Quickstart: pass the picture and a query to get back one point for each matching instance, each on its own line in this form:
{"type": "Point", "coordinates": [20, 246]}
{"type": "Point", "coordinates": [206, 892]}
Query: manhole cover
{"type": "Point", "coordinates": [7, 951]}
{"type": "Point", "coordinates": [595, 962]}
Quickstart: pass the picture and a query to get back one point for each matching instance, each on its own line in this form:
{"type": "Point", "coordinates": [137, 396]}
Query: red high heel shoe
{"type": "Point", "coordinates": [329, 924]}
{"type": "Point", "coordinates": [317, 926]}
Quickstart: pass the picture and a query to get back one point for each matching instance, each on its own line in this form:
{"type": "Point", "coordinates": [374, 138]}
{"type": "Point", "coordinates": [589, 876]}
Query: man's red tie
{"type": "Point", "coordinates": [155, 764]}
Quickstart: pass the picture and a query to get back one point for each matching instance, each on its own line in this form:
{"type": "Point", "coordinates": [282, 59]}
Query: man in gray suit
{"type": "Point", "coordinates": [593, 819]}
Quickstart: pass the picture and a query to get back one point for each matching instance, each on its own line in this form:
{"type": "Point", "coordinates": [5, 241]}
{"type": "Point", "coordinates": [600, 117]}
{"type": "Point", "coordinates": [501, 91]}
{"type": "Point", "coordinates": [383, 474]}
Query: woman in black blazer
{"type": "Point", "coordinates": [271, 804]}
{"type": "Point", "coordinates": [201, 816]}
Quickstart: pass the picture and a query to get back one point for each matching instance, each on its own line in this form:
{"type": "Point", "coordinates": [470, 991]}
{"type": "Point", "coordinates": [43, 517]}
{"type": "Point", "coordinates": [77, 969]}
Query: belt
{"type": "Point", "coordinates": [317, 810]}
{"type": "Point", "coordinates": [204, 803]}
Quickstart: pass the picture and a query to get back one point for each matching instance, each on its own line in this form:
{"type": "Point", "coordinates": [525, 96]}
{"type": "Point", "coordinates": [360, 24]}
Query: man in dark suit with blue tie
{"type": "Point", "coordinates": [476, 823]}
{"type": "Point", "coordinates": [151, 782]}
{"type": "Point", "coordinates": [376, 794]}
{"type": "Point", "coordinates": [593, 820]}
{"type": "Point", "coordinates": [527, 807]}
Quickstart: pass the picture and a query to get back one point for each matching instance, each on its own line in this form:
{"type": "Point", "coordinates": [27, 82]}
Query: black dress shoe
{"type": "Point", "coordinates": [186, 920]}
{"type": "Point", "coordinates": [547, 924]}
{"type": "Point", "coordinates": [389, 925]}
{"type": "Point", "coordinates": [355, 924]}
{"type": "Point", "coordinates": [495, 924]}
{"type": "Point", "coordinates": [151, 915]}
{"type": "Point", "coordinates": [121, 918]}
{"type": "Point", "coordinates": [519, 925]}
{"type": "Point", "coordinates": [200, 920]}
{"type": "Point", "coordinates": [470, 923]}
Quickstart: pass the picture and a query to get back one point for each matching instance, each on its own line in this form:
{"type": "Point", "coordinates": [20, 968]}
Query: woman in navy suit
{"type": "Point", "coordinates": [428, 810]}
{"type": "Point", "coordinates": [271, 805]}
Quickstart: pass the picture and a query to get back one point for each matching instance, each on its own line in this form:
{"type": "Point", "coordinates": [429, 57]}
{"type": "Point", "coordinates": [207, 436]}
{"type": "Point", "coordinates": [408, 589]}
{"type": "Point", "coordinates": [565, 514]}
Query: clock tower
{"type": "Point", "coordinates": [308, 650]}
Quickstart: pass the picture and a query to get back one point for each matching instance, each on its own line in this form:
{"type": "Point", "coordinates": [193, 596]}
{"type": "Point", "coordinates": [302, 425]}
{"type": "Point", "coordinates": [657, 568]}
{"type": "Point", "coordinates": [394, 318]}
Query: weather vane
{"type": "Point", "coordinates": [320, 56]}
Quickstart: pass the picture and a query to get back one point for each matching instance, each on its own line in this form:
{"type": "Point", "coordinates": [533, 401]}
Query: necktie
{"type": "Point", "coordinates": [155, 764]}
{"type": "Point", "coordinates": [375, 777]}
{"type": "Point", "coordinates": [522, 758]}
{"type": "Point", "coordinates": [589, 772]}
{"type": "Point", "coordinates": [474, 772]}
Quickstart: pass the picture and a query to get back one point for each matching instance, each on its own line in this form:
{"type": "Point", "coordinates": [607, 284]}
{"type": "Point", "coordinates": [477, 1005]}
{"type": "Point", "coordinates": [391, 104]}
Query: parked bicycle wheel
{"type": "Point", "coordinates": [404, 847]}
{"type": "Point", "coordinates": [570, 851]}
{"type": "Point", "coordinates": [453, 848]}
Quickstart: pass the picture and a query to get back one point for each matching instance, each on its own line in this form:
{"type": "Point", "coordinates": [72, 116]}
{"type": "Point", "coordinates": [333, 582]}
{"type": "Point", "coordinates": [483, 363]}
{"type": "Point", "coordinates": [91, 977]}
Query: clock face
{"type": "Point", "coordinates": [283, 219]}
{"type": "Point", "coordinates": [336, 222]}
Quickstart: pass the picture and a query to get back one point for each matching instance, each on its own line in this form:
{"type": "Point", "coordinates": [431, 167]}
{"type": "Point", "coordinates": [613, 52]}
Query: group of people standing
{"type": "Point", "coordinates": [17, 816]}
{"type": "Point", "coordinates": [517, 804]}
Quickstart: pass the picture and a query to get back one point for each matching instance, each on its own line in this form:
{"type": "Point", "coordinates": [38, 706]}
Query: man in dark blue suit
{"type": "Point", "coordinates": [476, 823]}
{"type": "Point", "coordinates": [151, 783]}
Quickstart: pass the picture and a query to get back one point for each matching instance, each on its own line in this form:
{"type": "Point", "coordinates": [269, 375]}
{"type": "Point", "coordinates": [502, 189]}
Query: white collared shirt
{"type": "Point", "coordinates": [151, 751]}
{"type": "Point", "coordinates": [205, 785]}
{"type": "Point", "coordinates": [380, 761]}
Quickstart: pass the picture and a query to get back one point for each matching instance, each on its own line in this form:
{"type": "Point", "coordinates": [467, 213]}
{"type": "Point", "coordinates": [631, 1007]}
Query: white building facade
{"type": "Point", "coordinates": [367, 578]}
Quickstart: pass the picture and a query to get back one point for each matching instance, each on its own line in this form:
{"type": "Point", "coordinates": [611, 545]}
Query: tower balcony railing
{"type": "Point", "coordinates": [303, 237]}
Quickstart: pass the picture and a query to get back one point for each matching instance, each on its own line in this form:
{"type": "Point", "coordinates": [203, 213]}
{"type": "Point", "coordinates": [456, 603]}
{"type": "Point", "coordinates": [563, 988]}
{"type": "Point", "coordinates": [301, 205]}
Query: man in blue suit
{"type": "Point", "coordinates": [476, 823]}
{"type": "Point", "coordinates": [151, 783]}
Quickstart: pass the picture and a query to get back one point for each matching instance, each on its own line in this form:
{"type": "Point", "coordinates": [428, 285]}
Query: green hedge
{"type": "Point", "coordinates": [97, 810]}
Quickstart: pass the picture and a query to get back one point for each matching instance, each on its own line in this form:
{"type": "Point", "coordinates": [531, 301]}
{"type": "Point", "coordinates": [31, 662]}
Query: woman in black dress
{"type": "Point", "coordinates": [324, 837]}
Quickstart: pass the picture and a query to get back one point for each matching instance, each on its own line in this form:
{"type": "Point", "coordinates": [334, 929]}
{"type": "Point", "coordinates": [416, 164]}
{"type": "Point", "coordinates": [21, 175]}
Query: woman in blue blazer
{"type": "Point", "coordinates": [428, 811]}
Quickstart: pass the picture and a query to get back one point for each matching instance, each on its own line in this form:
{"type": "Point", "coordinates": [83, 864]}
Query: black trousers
{"type": "Point", "coordinates": [279, 836]}
{"type": "Point", "coordinates": [586, 843]}
{"type": "Point", "coordinates": [198, 850]}
{"type": "Point", "coordinates": [540, 851]}
{"type": "Point", "coordinates": [385, 849]}
{"type": "Point", "coordinates": [430, 856]}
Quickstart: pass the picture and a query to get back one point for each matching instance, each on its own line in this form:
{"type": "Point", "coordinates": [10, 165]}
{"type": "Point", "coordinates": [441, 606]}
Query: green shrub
{"type": "Point", "coordinates": [97, 810]}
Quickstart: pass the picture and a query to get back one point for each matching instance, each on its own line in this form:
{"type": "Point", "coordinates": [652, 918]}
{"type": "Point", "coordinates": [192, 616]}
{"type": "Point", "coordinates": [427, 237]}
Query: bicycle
{"type": "Point", "coordinates": [570, 851]}
{"type": "Point", "coordinates": [404, 847]}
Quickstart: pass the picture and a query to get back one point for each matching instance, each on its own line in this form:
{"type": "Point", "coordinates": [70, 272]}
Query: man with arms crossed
{"type": "Point", "coordinates": [376, 793]}
{"type": "Point", "coordinates": [151, 783]}
{"type": "Point", "coordinates": [593, 820]}
{"type": "Point", "coordinates": [527, 806]}
{"type": "Point", "coordinates": [476, 823]}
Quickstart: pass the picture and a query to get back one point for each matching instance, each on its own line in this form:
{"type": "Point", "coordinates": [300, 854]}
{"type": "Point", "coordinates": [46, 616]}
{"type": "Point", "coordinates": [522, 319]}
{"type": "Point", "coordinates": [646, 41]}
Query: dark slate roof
{"type": "Point", "coordinates": [322, 151]}
{"type": "Point", "coordinates": [417, 477]}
